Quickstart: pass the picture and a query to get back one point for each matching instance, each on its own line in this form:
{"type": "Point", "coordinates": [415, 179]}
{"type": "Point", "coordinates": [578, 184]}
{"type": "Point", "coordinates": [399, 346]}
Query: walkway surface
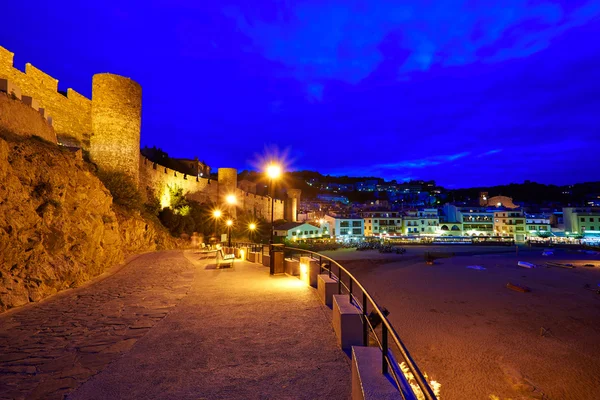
{"type": "Point", "coordinates": [168, 325]}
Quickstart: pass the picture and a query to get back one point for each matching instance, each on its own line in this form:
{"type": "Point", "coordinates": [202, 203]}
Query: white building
{"type": "Point", "coordinates": [298, 231]}
{"type": "Point", "coordinates": [537, 225]}
{"type": "Point", "coordinates": [345, 227]}
{"type": "Point", "coordinates": [424, 221]}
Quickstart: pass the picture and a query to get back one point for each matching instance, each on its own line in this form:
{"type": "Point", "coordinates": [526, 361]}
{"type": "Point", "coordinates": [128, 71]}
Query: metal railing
{"type": "Point", "coordinates": [364, 301]}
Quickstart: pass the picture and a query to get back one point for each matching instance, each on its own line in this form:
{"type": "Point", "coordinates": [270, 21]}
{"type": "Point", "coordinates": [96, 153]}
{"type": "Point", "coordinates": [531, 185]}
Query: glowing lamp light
{"type": "Point", "coordinates": [242, 254]}
{"type": "Point", "coordinates": [217, 214]}
{"type": "Point", "coordinates": [165, 199]}
{"type": "Point", "coordinates": [304, 274]}
{"type": "Point", "coordinates": [229, 222]}
{"type": "Point", "coordinates": [273, 171]}
{"type": "Point", "coordinates": [230, 199]}
{"type": "Point", "coordinates": [252, 226]}
{"type": "Point", "coordinates": [303, 269]}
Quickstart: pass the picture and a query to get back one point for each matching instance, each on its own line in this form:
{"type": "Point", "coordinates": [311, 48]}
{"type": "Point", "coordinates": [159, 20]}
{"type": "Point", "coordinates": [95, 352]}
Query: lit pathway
{"type": "Point", "coordinates": [167, 327]}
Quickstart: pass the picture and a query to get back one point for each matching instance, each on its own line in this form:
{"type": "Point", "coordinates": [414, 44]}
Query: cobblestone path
{"type": "Point", "coordinates": [50, 348]}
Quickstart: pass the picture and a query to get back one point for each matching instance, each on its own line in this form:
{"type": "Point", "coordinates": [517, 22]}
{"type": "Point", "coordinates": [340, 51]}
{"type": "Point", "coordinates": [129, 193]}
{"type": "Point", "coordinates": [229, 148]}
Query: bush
{"type": "Point", "coordinates": [176, 223]}
{"type": "Point", "coordinates": [122, 188]}
{"type": "Point", "coordinates": [152, 206]}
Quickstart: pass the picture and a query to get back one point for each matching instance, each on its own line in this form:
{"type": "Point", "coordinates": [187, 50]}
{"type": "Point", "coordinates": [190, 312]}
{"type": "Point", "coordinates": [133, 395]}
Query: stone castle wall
{"type": "Point", "coordinates": [71, 113]}
{"type": "Point", "coordinates": [18, 118]}
{"type": "Point", "coordinates": [109, 126]}
{"type": "Point", "coordinates": [155, 180]}
{"type": "Point", "coordinates": [259, 206]}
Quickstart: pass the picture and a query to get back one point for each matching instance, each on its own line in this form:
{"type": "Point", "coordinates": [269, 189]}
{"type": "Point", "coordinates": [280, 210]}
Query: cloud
{"type": "Point", "coordinates": [489, 153]}
{"type": "Point", "coordinates": [340, 39]}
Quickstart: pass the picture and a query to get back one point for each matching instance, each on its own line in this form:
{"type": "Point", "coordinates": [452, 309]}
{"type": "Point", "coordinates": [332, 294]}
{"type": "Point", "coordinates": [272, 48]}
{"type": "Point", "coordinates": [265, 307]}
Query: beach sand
{"type": "Point", "coordinates": [478, 338]}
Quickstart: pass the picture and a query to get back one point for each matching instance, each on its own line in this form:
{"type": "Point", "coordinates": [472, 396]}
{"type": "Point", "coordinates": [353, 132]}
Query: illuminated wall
{"type": "Point", "coordinates": [116, 124]}
{"type": "Point", "coordinates": [71, 113]}
{"type": "Point", "coordinates": [109, 127]}
{"type": "Point", "coordinates": [154, 179]}
{"type": "Point", "coordinates": [20, 119]}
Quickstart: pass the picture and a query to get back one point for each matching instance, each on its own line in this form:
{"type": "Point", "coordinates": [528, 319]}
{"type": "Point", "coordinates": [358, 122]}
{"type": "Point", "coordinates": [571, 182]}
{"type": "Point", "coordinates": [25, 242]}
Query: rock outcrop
{"type": "Point", "coordinates": [58, 225]}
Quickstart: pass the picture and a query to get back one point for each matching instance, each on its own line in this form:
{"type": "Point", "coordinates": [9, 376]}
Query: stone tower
{"type": "Point", "coordinates": [116, 124]}
{"type": "Point", "coordinates": [291, 204]}
{"type": "Point", "coordinates": [227, 182]}
{"type": "Point", "coordinates": [228, 185]}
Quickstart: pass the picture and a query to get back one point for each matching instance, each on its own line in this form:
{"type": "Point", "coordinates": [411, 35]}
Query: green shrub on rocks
{"type": "Point", "coordinates": [122, 188]}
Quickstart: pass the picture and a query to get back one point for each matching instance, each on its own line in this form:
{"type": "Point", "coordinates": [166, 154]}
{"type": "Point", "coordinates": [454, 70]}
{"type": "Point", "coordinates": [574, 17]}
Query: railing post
{"type": "Point", "coordinates": [384, 348]}
{"type": "Point", "coordinates": [350, 289]}
{"type": "Point", "coordinates": [320, 265]}
{"type": "Point", "coordinates": [329, 269]}
{"type": "Point", "coordinates": [365, 321]}
{"type": "Point", "coordinates": [339, 281]}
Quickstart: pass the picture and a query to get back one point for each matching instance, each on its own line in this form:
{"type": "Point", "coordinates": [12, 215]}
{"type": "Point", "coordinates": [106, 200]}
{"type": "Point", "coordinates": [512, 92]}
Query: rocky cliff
{"type": "Point", "coordinates": [58, 225]}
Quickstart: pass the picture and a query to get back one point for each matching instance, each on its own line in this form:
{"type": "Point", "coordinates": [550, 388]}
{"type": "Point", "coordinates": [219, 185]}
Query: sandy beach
{"type": "Point", "coordinates": [478, 338]}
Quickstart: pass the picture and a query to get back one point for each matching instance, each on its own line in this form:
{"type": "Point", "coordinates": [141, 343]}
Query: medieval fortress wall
{"type": "Point", "coordinates": [71, 113]}
{"type": "Point", "coordinates": [109, 126]}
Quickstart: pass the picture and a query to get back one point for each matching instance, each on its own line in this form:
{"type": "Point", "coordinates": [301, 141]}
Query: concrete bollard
{"type": "Point", "coordinates": [326, 288]}
{"type": "Point", "coordinates": [292, 267]}
{"type": "Point", "coordinates": [368, 383]}
{"type": "Point", "coordinates": [347, 322]}
{"type": "Point", "coordinates": [309, 270]}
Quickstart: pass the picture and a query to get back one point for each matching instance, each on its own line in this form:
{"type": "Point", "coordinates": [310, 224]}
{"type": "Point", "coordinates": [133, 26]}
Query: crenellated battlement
{"type": "Point", "coordinates": [71, 113]}
{"type": "Point", "coordinates": [109, 127]}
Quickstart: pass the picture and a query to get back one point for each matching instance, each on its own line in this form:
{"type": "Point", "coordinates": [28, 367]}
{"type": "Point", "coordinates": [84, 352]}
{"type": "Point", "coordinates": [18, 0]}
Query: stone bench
{"type": "Point", "coordinates": [252, 256]}
{"type": "Point", "coordinates": [347, 322]}
{"type": "Point", "coordinates": [326, 287]}
{"type": "Point", "coordinates": [368, 383]}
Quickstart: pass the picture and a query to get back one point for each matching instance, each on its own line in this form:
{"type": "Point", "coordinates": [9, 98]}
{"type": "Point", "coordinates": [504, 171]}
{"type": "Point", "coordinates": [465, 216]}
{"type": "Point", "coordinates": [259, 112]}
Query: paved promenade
{"type": "Point", "coordinates": [167, 325]}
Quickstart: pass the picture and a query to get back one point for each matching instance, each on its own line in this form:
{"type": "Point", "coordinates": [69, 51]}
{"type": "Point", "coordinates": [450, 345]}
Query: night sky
{"type": "Point", "coordinates": [469, 93]}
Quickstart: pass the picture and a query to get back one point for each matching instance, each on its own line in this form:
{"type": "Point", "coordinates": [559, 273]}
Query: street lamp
{"type": "Point", "coordinates": [216, 214]}
{"type": "Point", "coordinates": [273, 172]}
{"type": "Point", "coordinates": [251, 228]}
{"type": "Point", "coordinates": [229, 223]}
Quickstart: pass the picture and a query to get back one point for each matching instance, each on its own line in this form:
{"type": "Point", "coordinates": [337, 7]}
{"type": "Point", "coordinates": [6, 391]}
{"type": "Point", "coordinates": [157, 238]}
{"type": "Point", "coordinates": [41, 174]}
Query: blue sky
{"type": "Point", "coordinates": [468, 93]}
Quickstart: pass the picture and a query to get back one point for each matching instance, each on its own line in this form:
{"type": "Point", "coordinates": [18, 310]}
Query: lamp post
{"type": "Point", "coordinates": [229, 223]}
{"type": "Point", "coordinates": [216, 215]}
{"type": "Point", "coordinates": [273, 172]}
